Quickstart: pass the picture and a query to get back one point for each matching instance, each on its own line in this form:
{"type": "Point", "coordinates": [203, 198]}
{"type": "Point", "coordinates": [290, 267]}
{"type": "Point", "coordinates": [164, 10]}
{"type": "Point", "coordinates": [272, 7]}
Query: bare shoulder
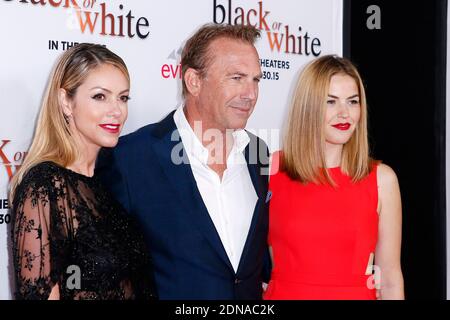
{"type": "Point", "coordinates": [389, 198]}
{"type": "Point", "coordinates": [386, 176]}
{"type": "Point", "coordinates": [275, 159]}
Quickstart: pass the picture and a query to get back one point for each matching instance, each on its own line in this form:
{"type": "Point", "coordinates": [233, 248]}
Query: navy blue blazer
{"type": "Point", "coordinates": [189, 259]}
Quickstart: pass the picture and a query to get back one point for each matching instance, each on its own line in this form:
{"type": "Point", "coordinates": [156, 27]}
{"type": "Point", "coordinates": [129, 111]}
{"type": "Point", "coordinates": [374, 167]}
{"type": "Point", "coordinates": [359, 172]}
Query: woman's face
{"type": "Point", "coordinates": [100, 107]}
{"type": "Point", "coordinates": [343, 109]}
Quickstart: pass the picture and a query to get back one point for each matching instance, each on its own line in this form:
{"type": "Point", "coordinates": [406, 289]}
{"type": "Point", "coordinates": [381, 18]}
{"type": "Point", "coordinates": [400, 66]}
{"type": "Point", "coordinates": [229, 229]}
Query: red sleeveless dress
{"type": "Point", "coordinates": [323, 239]}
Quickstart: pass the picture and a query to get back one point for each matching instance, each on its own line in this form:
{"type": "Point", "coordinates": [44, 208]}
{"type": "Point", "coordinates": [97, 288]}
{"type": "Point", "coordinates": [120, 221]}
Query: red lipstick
{"type": "Point", "coordinates": [110, 127]}
{"type": "Point", "coordinates": [342, 126]}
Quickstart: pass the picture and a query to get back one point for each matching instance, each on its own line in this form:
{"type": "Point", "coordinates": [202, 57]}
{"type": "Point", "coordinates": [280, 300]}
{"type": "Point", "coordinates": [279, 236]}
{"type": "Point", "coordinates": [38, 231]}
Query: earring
{"type": "Point", "coordinates": [66, 118]}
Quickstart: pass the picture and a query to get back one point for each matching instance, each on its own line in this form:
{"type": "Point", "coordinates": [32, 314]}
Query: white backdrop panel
{"type": "Point", "coordinates": [26, 59]}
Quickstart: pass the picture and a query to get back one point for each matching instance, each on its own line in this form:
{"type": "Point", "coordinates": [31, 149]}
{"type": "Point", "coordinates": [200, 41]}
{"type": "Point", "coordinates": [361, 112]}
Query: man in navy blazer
{"type": "Point", "coordinates": [198, 181]}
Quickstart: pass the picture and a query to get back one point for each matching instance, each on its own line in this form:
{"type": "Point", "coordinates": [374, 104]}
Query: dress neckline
{"type": "Point", "coordinates": [73, 173]}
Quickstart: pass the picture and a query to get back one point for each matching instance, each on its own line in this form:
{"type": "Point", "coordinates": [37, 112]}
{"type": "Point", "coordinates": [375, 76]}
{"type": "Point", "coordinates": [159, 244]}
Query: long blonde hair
{"type": "Point", "coordinates": [52, 140]}
{"type": "Point", "coordinates": [304, 140]}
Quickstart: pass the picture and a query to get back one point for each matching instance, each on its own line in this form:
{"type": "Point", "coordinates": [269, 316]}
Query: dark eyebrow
{"type": "Point", "coordinates": [351, 97]}
{"type": "Point", "coordinates": [104, 89]}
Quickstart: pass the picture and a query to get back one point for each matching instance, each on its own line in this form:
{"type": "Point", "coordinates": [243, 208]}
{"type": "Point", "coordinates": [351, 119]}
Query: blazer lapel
{"type": "Point", "coordinates": [183, 182]}
{"type": "Point", "coordinates": [250, 151]}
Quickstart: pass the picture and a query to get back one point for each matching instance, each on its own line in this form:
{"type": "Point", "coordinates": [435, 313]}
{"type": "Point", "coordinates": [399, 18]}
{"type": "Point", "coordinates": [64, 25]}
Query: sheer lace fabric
{"type": "Point", "coordinates": [65, 222]}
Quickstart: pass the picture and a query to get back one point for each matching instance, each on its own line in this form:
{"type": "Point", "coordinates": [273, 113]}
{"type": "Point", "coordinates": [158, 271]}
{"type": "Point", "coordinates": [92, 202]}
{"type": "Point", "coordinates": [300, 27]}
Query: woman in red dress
{"type": "Point", "coordinates": [335, 213]}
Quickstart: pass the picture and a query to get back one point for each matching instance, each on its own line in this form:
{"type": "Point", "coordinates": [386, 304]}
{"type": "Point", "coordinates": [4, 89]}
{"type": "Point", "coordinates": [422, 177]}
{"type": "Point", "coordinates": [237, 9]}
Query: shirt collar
{"type": "Point", "coordinates": [193, 145]}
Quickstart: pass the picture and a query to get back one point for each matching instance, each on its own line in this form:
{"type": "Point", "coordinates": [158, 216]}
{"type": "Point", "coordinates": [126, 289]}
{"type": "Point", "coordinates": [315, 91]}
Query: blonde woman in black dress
{"type": "Point", "coordinates": [65, 221]}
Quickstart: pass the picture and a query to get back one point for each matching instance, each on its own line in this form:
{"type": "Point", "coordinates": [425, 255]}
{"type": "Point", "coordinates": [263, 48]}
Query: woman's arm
{"type": "Point", "coordinates": [388, 250]}
{"type": "Point", "coordinates": [31, 247]}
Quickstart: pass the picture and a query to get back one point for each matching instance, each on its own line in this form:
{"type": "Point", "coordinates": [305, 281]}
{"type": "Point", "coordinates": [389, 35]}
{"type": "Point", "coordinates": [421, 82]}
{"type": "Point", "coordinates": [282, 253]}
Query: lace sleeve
{"type": "Point", "coordinates": [31, 245]}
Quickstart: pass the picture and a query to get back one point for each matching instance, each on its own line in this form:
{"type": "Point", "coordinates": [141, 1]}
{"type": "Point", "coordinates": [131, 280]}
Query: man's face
{"type": "Point", "coordinates": [229, 88]}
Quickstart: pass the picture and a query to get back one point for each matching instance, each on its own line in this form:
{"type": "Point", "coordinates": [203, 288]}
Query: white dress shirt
{"type": "Point", "coordinates": [230, 201]}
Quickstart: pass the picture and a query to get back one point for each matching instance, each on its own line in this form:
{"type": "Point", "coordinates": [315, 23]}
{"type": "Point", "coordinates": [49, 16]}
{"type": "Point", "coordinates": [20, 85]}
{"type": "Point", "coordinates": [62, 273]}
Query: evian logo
{"type": "Point", "coordinates": [92, 16]}
{"type": "Point", "coordinates": [172, 70]}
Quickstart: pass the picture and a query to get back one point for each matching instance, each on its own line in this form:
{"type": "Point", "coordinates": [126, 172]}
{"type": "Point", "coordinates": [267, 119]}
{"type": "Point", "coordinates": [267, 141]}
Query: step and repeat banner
{"type": "Point", "coordinates": [149, 36]}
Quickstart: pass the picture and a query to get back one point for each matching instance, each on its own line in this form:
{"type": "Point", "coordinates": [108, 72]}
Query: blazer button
{"type": "Point", "coordinates": [237, 281]}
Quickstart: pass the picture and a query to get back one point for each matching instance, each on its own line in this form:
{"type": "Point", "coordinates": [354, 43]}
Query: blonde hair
{"type": "Point", "coordinates": [304, 140]}
{"type": "Point", "coordinates": [52, 140]}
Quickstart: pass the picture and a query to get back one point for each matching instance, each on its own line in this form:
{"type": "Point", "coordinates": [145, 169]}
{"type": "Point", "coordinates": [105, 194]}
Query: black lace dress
{"type": "Point", "coordinates": [69, 231]}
